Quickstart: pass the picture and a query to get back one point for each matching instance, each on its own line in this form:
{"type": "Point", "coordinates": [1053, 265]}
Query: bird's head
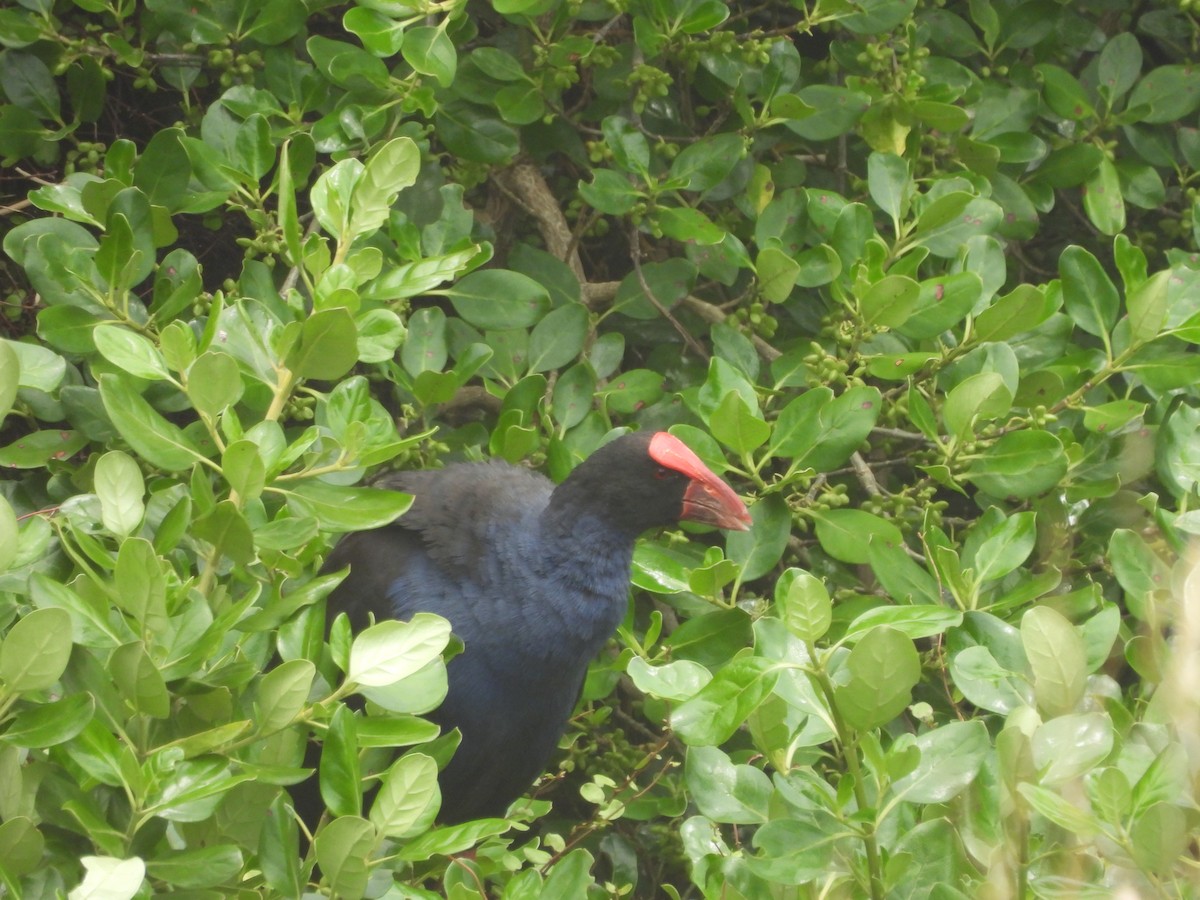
{"type": "Point", "coordinates": [706, 498]}
{"type": "Point", "coordinates": [646, 480]}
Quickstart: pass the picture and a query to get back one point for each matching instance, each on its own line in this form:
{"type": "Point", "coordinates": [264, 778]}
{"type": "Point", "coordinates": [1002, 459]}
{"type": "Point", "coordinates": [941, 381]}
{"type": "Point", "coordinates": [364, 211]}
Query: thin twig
{"type": "Point", "coordinates": [635, 254]}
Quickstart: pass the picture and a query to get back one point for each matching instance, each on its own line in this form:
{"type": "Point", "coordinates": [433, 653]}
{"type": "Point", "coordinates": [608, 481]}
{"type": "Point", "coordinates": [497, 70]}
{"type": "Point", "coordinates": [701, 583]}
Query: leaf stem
{"type": "Point", "coordinates": [849, 744]}
{"type": "Point", "coordinates": [283, 390]}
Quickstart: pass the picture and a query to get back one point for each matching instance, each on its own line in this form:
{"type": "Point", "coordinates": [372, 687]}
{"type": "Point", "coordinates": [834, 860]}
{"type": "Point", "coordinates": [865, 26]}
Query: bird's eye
{"type": "Point", "coordinates": [662, 473]}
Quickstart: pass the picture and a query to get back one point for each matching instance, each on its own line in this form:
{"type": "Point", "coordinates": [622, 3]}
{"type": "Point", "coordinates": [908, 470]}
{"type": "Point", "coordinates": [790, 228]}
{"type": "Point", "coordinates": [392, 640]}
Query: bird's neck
{"type": "Point", "coordinates": [579, 539]}
{"type": "Point", "coordinates": [588, 561]}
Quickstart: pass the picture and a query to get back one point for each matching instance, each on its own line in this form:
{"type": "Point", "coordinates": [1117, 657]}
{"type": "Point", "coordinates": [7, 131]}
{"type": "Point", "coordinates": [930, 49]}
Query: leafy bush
{"type": "Point", "coordinates": [921, 280]}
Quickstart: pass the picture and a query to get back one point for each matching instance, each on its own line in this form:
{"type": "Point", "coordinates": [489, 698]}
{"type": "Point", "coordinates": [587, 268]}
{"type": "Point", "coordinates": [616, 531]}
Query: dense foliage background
{"type": "Point", "coordinates": [920, 279]}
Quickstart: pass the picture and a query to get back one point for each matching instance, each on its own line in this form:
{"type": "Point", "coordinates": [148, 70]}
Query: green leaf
{"type": "Point", "coordinates": [688, 225]}
{"type": "Point", "coordinates": [1060, 811]}
{"type": "Point", "coordinates": [1069, 746]}
{"type": "Point", "coordinates": [282, 694]}
{"type": "Point", "coordinates": [758, 550]}
{"type": "Point", "coordinates": [131, 352]}
{"type": "Point", "coordinates": [139, 680]}
{"type": "Point", "coordinates": [389, 651]}
{"type": "Point", "coordinates": [911, 621]}
{"type": "Point", "coordinates": [119, 485]}
{"type": "Point", "coordinates": [342, 848]}
{"type": "Point", "coordinates": [884, 668]}
{"type": "Point", "coordinates": [609, 192]}
{"type": "Point", "coordinates": [797, 428]}
{"type": "Point", "coordinates": [1102, 200]}
{"type": "Point", "coordinates": [148, 433]}
{"type": "Point", "coordinates": [1005, 549]}
{"type": "Point", "coordinates": [10, 374]}
{"type": "Point", "coordinates": [676, 680]}
{"type": "Point", "coordinates": [496, 299]}
{"type": "Point", "coordinates": [843, 425]}
{"type": "Point", "coordinates": [408, 797]}
{"type": "Point", "coordinates": [340, 779]}
{"type": "Point", "coordinates": [574, 392]}
{"type": "Point", "coordinates": [719, 708]}
{"type": "Point", "coordinates": [38, 367]}
{"type": "Point", "coordinates": [253, 153]}
{"type": "Point", "coordinates": [107, 878]}
{"type": "Point", "coordinates": [1090, 297]}
{"type": "Point", "coordinates": [707, 162]}
{"type": "Point", "coordinates": [1057, 657]}
{"type": "Point", "coordinates": [982, 397]}
{"type": "Point", "coordinates": [901, 576]}
{"type": "Point", "coordinates": [475, 134]}
{"type": "Point", "coordinates": [429, 50]}
{"type": "Point", "coordinates": [21, 847]}
{"type": "Point", "coordinates": [1119, 65]}
{"type": "Point", "coordinates": [845, 534]}
{"type": "Point", "coordinates": [424, 348]}
{"type": "Point", "coordinates": [381, 35]}
{"type": "Point", "coordinates": [28, 83]}
{"type": "Point", "coordinates": [341, 508]}
{"type": "Point", "coordinates": [889, 183]}
{"type": "Point", "coordinates": [890, 301]}
{"type": "Point", "coordinates": [953, 219]}
{"type": "Point", "coordinates": [328, 345]}
{"type": "Point", "coordinates": [777, 273]}
{"type": "Point", "coordinates": [835, 111]}
{"type": "Point", "coordinates": [558, 339]}
{"type": "Point", "coordinates": [1169, 92]}
{"type": "Point", "coordinates": [390, 169]}
{"type": "Point", "coordinates": [51, 724]}
{"type": "Point", "coordinates": [1064, 94]}
{"type": "Point", "coordinates": [725, 791]}
{"type": "Point", "coordinates": [632, 390]}
{"type": "Point", "coordinates": [203, 867]}
{"type": "Point", "coordinates": [35, 651]}
{"type": "Point", "coordinates": [1021, 310]}
{"type": "Point", "coordinates": [36, 449]}
{"type": "Point", "coordinates": [986, 683]}
{"type": "Point", "coordinates": [943, 303]}
{"type": "Point", "coordinates": [140, 585]}
{"type": "Point", "coordinates": [1149, 304]}
{"type": "Point", "coordinates": [804, 604]}
{"type": "Point", "coordinates": [8, 534]}
{"type": "Point", "coordinates": [452, 839]}
{"type": "Point", "coordinates": [1020, 464]}
{"type": "Point", "coordinates": [737, 426]}
{"type": "Point", "coordinates": [1113, 416]}
{"type": "Point", "coordinates": [330, 197]}
{"type": "Point", "coordinates": [1138, 569]}
{"type": "Point", "coordinates": [951, 756]}
{"type": "Point", "coordinates": [226, 529]}
{"type": "Point", "coordinates": [1160, 838]}
{"type": "Point", "coordinates": [163, 169]}
{"type": "Point", "coordinates": [242, 466]}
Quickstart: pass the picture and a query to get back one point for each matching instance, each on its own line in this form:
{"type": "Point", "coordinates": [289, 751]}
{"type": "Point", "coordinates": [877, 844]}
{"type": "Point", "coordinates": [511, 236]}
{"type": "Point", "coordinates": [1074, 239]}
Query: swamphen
{"type": "Point", "coordinates": [533, 578]}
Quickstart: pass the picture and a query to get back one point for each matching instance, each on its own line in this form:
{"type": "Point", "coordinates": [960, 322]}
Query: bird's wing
{"type": "Point", "coordinates": [376, 559]}
{"type": "Point", "coordinates": [445, 551]}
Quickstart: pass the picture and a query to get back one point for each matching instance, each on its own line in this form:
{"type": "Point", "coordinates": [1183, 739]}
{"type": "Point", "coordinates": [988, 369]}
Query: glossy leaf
{"type": "Point", "coordinates": [389, 651]}
{"type": "Point", "coordinates": [1057, 657]}
{"type": "Point", "coordinates": [35, 650]}
{"type": "Point", "coordinates": [884, 668]}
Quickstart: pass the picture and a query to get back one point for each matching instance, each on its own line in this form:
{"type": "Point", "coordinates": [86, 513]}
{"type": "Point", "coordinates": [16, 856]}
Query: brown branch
{"type": "Point", "coordinates": [714, 316]}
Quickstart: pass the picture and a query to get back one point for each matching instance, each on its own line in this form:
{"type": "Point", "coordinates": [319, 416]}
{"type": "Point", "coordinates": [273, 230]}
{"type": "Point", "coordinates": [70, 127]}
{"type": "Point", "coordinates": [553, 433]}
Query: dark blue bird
{"type": "Point", "coordinates": [533, 578]}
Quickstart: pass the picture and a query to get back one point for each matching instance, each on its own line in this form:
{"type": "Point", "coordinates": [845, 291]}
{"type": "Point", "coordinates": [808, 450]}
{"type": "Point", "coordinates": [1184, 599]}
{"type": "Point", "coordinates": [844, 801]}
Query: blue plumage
{"type": "Point", "coordinates": [533, 578]}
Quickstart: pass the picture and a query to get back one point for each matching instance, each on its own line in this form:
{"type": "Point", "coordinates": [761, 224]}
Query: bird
{"type": "Point", "coordinates": [533, 578]}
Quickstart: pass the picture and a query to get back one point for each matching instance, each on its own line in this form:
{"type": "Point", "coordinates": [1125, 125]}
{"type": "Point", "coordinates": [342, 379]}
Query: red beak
{"type": "Point", "coordinates": [708, 499]}
{"type": "Point", "coordinates": [712, 502]}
